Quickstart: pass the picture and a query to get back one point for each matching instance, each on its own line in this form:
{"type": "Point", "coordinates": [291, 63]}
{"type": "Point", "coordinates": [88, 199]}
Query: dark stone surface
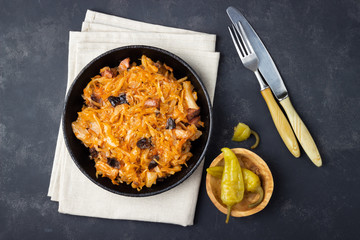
{"type": "Point", "coordinates": [316, 47]}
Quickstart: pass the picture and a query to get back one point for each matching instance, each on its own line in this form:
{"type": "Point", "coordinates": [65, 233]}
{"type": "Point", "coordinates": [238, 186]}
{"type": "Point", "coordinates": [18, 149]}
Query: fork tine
{"type": "Point", "coordinates": [240, 37]}
{"type": "Point", "coordinates": [244, 37]}
{"type": "Point", "coordinates": [240, 40]}
{"type": "Point", "coordinates": [238, 46]}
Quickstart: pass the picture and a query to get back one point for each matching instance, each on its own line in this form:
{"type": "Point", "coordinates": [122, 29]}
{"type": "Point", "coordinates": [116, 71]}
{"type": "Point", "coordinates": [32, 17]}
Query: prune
{"type": "Point", "coordinates": [95, 98]}
{"type": "Point", "coordinates": [170, 124]}
{"type": "Point", "coordinates": [121, 99]}
{"type": "Point", "coordinates": [144, 143]}
{"type": "Point", "coordinates": [113, 162]}
{"type": "Point", "coordinates": [153, 162]}
{"type": "Point", "coordinates": [93, 153]}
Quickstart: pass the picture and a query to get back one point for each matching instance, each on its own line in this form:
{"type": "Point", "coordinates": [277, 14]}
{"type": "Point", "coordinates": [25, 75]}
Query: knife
{"type": "Point", "coordinates": [250, 61]}
{"type": "Point", "coordinates": [272, 76]}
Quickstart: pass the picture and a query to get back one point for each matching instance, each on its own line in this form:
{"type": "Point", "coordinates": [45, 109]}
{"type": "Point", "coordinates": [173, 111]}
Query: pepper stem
{"type": "Point", "coordinates": [256, 137]}
{"type": "Point", "coordinates": [228, 214]}
{"type": "Point", "coordinates": [260, 191]}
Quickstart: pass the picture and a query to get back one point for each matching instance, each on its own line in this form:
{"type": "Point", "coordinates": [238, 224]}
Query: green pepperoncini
{"type": "Point", "coordinates": [243, 132]}
{"type": "Point", "coordinates": [232, 182]}
{"type": "Point", "coordinates": [251, 181]}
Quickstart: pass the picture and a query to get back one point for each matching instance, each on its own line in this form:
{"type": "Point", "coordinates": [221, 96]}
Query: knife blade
{"type": "Point", "coordinates": [272, 76]}
{"type": "Point", "coordinates": [266, 64]}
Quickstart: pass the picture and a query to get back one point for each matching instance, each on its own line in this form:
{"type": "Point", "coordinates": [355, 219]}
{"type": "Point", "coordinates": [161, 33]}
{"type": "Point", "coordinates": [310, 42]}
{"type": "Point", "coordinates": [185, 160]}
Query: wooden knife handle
{"type": "Point", "coordinates": [281, 123]}
{"type": "Point", "coordinates": [302, 133]}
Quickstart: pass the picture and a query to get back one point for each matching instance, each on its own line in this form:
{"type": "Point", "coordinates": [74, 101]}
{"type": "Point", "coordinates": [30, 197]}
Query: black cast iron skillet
{"type": "Point", "coordinates": [74, 103]}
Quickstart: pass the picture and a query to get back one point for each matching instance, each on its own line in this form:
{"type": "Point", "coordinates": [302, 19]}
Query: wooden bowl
{"type": "Point", "coordinates": [253, 162]}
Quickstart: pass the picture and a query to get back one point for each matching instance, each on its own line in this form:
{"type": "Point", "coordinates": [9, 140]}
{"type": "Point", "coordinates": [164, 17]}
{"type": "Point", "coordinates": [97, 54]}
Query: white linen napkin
{"type": "Point", "coordinates": [75, 193]}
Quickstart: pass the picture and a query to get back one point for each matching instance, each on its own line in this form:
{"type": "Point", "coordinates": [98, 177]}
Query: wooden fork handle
{"type": "Point", "coordinates": [302, 133]}
{"type": "Point", "coordinates": [281, 123]}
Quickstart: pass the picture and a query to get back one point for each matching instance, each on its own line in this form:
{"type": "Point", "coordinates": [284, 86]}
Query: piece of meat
{"type": "Point", "coordinates": [195, 121]}
{"type": "Point", "coordinates": [158, 64]}
{"type": "Point", "coordinates": [161, 69]}
{"type": "Point", "coordinates": [107, 74]}
{"type": "Point", "coordinates": [124, 64]}
{"type": "Point", "coordinates": [152, 103]}
{"type": "Point", "coordinates": [192, 113]}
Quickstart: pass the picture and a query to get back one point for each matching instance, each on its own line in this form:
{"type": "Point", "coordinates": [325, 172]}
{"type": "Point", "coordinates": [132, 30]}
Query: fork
{"type": "Point", "coordinates": [251, 61]}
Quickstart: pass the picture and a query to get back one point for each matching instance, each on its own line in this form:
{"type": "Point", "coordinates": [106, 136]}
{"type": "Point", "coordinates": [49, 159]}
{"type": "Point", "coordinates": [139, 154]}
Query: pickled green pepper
{"type": "Point", "coordinates": [232, 182]}
{"type": "Point", "coordinates": [253, 185]}
{"type": "Point", "coordinates": [216, 171]}
{"type": "Point", "coordinates": [243, 132]}
{"type": "Point", "coordinates": [251, 181]}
